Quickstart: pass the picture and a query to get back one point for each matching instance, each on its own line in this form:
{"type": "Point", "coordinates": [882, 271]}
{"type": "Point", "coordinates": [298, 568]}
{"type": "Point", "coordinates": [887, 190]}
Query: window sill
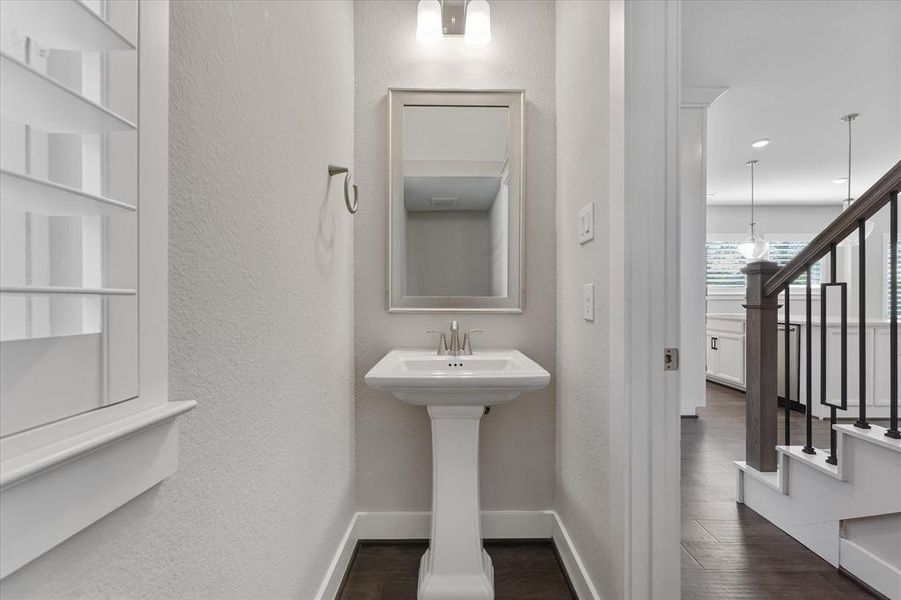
{"type": "Point", "coordinates": [51, 492]}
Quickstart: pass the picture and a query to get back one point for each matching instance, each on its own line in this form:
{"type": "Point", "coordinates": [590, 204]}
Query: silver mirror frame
{"type": "Point", "coordinates": [513, 302]}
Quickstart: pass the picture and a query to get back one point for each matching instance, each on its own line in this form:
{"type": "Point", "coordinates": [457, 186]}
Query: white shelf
{"type": "Point", "coordinates": [73, 291]}
{"type": "Point", "coordinates": [32, 194]}
{"type": "Point", "coordinates": [63, 25]}
{"type": "Point", "coordinates": [31, 97]}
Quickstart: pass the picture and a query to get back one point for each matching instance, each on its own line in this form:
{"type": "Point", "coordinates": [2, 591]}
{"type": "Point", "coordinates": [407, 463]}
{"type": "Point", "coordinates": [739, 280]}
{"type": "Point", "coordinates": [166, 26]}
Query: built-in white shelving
{"type": "Point", "coordinates": [28, 194]}
{"type": "Point", "coordinates": [64, 25]}
{"type": "Point", "coordinates": [76, 291]}
{"type": "Point", "coordinates": [29, 96]}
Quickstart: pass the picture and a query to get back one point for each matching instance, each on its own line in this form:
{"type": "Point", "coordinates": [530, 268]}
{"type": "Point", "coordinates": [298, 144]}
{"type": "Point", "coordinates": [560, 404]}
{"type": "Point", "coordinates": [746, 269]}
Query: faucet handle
{"type": "Point", "coordinates": [467, 343]}
{"type": "Point", "coordinates": [442, 341]}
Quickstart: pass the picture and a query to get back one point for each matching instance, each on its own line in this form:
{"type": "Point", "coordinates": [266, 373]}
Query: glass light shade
{"type": "Point", "coordinates": [755, 247]}
{"type": "Point", "coordinates": [478, 24]}
{"type": "Point", "coordinates": [429, 29]}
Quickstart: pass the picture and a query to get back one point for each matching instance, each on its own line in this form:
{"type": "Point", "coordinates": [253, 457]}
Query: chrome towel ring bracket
{"type": "Point", "coordinates": [332, 171]}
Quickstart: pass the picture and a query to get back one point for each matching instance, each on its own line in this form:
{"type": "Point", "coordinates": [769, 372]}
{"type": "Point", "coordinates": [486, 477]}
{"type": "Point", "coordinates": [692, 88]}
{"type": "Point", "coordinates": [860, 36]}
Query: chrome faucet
{"type": "Point", "coordinates": [456, 346]}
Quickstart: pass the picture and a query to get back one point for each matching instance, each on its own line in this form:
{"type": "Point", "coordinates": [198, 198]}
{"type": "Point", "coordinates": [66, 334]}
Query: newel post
{"type": "Point", "coordinates": [761, 358]}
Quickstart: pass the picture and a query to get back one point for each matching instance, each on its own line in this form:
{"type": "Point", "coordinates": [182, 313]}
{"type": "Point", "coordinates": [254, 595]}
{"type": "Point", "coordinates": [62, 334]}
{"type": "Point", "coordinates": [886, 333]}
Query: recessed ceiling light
{"type": "Point", "coordinates": [761, 143]}
{"type": "Point", "coordinates": [840, 180]}
{"type": "Point", "coordinates": [710, 194]}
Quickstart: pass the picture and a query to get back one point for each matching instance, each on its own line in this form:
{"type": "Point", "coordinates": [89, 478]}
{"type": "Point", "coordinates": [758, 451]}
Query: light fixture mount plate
{"type": "Point", "coordinates": [453, 16]}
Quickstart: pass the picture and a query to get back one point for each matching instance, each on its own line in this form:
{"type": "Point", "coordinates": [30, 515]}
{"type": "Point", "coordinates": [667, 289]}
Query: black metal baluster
{"type": "Point", "coordinates": [862, 321]}
{"type": "Point", "coordinates": [893, 324]}
{"type": "Point", "coordinates": [787, 344]}
{"type": "Point", "coordinates": [832, 459]}
{"type": "Point", "coordinates": [808, 417]}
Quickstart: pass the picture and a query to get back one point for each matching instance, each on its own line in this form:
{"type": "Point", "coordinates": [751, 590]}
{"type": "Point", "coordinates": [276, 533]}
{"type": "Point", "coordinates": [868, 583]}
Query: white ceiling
{"type": "Point", "coordinates": [472, 193]}
{"type": "Point", "coordinates": [793, 68]}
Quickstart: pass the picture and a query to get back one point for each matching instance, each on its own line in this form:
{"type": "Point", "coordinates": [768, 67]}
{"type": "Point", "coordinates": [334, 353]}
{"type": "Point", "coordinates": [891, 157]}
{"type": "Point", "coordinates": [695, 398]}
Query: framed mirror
{"type": "Point", "coordinates": [455, 217]}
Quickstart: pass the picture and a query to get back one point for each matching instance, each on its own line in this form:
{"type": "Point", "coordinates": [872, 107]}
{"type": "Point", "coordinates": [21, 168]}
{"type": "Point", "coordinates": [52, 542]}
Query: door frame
{"type": "Point", "coordinates": [644, 291]}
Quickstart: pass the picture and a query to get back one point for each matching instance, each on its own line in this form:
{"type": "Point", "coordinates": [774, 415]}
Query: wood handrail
{"type": "Point", "coordinates": [864, 207]}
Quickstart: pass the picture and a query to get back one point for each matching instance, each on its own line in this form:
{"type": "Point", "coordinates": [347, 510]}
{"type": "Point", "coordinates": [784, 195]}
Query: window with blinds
{"type": "Point", "coordinates": [888, 273]}
{"type": "Point", "coordinates": [68, 208]}
{"type": "Point", "coordinates": [725, 262]}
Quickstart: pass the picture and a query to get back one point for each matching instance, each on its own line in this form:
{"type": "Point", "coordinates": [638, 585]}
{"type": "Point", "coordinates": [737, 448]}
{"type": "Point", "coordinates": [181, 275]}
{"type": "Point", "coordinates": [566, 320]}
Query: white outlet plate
{"type": "Point", "coordinates": [588, 302]}
{"type": "Point", "coordinates": [586, 223]}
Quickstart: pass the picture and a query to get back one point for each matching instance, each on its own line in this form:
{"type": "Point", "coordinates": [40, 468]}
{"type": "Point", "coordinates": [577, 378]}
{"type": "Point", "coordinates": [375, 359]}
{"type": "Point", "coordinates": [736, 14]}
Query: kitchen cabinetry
{"type": "Point", "coordinates": [726, 352]}
{"type": "Point", "coordinates": [726, 362]}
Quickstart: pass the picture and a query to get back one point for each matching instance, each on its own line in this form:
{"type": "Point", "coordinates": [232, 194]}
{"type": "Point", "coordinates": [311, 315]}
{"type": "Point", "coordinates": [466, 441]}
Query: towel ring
{"type": "Point", "coordinates": [332, 171]}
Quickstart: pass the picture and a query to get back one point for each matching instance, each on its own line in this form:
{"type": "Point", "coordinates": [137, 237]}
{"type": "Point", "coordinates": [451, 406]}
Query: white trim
{"type": "Point", "coordinates": [869, 568]}
{"type": "Point", "coordinates": [572, 563]}
{"type": "Point", "coordinates": [39, 512]}
{"type": "Point", "coordinates": [700, 97]}
{"type": "Point", "coordinates": [337, 569]}
{"type": "Point", "coordinates": [24, 466]}
{"type": "Point", "coordinates": [496, 524]}
{"type": "Point", "coordinates": [416, 525]}
{"type": "Point", "coordinates": [644, 302]}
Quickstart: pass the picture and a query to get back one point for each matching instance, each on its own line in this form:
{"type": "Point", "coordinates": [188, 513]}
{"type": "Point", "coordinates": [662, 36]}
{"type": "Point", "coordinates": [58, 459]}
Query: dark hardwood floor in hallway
{"type": "Point", "coordinates": [728, 550]}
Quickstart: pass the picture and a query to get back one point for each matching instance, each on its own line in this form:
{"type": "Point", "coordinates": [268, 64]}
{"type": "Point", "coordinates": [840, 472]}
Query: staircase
{"type": "Point", "coordinates": [844, 502]}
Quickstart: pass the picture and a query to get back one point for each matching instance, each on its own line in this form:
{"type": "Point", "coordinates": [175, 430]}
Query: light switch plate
{"type": "Point", "coordinates": [588, 302]}
{"type": "Point", "coordinates": [586, 223]}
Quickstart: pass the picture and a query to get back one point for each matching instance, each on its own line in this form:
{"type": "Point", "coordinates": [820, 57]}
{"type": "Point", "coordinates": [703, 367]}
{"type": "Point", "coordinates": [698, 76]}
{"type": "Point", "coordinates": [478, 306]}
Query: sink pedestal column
{"type": "Point", "coordinates": [455, 567]}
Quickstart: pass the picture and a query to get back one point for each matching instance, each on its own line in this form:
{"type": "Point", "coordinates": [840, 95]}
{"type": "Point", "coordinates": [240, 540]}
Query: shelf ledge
{"type": "Point", "coordinates": [19, 191]}
{"type": "Point", "coordinates": [29, 96]}
{"type": "Point", "coordinates": [73, 291]}
{"type": "Point", "coordinates": [64, 25]}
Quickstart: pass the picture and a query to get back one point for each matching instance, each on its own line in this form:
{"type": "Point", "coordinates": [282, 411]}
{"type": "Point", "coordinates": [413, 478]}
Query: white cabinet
{"type": "Point", "coordinates": [726, 352]}
{"type": "Point", "coordinates": [711, 354]}
{"type": "Point", "coordinates": [834, 372]}
{"type": "Point", "coordinates": [882, 370]}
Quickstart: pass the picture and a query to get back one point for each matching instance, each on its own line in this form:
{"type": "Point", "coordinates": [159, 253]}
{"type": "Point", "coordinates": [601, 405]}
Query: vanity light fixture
{"type": "Point", "coordinates": [761, 143]}
{"type": "Point", "coordinates": [470, 19]}
{"type": "Point", "coordinates": [852, 240]}
{"type": "Point", "coordinates": [428, 23]}
{"type": "Point", "coordinates": [755, 247]}
{"type": "Point", "coordinates": [478, 24]}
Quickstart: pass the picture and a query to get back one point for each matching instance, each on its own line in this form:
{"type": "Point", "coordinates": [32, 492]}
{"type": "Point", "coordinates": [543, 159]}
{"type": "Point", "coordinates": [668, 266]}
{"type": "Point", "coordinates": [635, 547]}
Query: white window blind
{"type": "Point", "coordinates": [68, 209]}
{"type": "Point", "coordinates": [888, 271]}
{"type": "Point", "coordinates": [725, 262]}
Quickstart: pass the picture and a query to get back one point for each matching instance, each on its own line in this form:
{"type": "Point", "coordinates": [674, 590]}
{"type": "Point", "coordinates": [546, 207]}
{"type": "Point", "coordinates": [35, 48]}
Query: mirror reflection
{"type": "Point", "coordinates": [456, 200]}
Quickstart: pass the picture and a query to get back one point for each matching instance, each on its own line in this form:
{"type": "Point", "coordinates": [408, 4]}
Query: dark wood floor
{"type": "Point", "coordinates": [523, 570]}
{"type": "Point", "coordinates": [728, 550]}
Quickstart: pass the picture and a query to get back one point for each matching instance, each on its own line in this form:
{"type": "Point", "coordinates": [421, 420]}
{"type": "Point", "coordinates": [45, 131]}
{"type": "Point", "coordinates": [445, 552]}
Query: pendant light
{"type": "Point", "coordinates": [852, 239]}
{"type": "Point", "coordinates": [755, 247]}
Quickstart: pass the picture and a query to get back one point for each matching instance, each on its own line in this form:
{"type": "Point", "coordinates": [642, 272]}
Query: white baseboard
{"type": "Point", "coordinates": [334, 576]}
{"type": "Point", "coordinates": [573, 564]}
{"type": "Point", "coordinates": [499, 524]}
{"type": "Point", "coordinates": [869, 568]}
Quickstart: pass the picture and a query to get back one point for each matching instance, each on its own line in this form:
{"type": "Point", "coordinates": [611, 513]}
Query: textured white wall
{"type": "Point", "coordinates": [261, 321]}
{"type": "Point", "coordinates": [393, 440]}
{"type": "Point", "coordinates": [583, 485]}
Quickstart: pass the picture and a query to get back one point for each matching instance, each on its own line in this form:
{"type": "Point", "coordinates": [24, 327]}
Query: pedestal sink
{"type": "Point", "coordinates": [456, 390]}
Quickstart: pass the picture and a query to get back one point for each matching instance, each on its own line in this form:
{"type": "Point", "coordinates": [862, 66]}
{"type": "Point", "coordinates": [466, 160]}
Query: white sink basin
{"type": "Point", "coordinates": [456, 389]}
{"type": "Point", "coordinates": [481, 379]}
